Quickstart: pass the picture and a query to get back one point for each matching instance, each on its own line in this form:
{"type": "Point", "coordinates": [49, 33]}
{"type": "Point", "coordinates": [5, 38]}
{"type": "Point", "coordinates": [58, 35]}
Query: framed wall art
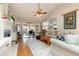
{"type": "Point", "coordinates": [70, 20]}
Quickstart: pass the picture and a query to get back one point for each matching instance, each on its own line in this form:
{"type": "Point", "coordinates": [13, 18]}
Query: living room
{"type": "Point", "coordinates": [54, 31]}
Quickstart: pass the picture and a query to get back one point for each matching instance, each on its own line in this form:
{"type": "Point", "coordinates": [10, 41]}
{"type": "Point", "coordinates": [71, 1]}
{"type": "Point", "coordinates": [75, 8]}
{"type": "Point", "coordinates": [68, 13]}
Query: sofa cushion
{"type": "Point", "coordinates": [72, 39]}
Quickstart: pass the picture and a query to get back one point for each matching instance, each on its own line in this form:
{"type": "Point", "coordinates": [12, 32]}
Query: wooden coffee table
{"type": "Point", "coordinates": [46, 39]}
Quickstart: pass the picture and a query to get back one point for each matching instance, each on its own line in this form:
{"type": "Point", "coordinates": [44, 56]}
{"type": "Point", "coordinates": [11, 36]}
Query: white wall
{"type": "Point", "coordinates": [60, 20]}
{"type": "Point", "coordinates": [1, 22]}
{"type": "Point", "coordinates": [1, 29]}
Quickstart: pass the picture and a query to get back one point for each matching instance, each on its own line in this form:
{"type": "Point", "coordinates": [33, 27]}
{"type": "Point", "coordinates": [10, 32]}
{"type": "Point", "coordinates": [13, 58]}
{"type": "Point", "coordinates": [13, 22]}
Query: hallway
{"type": "Point", "coordinates": [23, 49]}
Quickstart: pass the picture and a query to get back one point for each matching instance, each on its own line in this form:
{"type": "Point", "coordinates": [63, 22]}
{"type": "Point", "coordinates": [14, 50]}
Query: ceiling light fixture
{"type": "Point", "coordinates": [40, 12]}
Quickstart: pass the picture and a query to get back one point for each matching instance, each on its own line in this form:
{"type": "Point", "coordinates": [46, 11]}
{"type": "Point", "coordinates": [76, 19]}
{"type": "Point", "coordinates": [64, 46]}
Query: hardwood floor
{"type": "Point", "coordinates": [23, 49]}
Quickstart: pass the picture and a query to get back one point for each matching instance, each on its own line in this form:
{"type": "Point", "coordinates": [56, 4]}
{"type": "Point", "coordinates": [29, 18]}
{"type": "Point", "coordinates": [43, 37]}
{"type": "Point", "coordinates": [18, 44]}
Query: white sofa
{"type": "Point", "coordinates": [61, 48]}
{"type": "Point", "coordinates": [72, 38]}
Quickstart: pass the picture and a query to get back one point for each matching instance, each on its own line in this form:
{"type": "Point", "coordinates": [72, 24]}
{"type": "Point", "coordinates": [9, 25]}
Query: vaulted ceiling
{"type": "Point", "coordinates": [23, 12]}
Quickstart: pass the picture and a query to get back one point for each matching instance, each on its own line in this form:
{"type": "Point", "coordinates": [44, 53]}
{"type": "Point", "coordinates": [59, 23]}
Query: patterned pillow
{"type": "Point", "coordinates": [61, 37]}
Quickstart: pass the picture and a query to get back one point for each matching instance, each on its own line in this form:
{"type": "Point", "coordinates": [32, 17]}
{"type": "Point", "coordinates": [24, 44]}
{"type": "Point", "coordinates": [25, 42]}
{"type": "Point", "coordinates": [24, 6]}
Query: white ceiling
{"type": "Point", "coordinates": [23, 12]}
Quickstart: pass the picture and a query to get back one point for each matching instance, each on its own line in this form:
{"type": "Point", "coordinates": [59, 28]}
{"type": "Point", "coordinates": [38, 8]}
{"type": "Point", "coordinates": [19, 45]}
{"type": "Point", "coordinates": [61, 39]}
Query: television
{"type": "Point", "coordinates": [7, 33]}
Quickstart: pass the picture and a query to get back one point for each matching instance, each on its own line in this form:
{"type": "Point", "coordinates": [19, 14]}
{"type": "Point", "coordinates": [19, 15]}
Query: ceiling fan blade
{"type": "Point", "coordinates": [35, 14]}
{"type": "Point", "coordinates": [43, 12]}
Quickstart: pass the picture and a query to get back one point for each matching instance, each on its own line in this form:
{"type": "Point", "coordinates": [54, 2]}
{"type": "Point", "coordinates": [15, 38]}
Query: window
{"type": "Point", "coordinates": [45, 25]}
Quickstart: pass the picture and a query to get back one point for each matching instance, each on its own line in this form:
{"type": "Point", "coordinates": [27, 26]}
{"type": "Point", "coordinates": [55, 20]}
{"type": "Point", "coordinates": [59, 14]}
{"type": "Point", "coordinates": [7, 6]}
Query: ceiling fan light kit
{"type": "Point", "coordinates": [39, 15]}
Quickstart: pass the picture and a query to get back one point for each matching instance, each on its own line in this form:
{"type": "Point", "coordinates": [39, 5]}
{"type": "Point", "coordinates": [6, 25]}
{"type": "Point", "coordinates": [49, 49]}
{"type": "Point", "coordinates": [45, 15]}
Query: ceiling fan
{"type": "Point", "coordinates": [39, 12]}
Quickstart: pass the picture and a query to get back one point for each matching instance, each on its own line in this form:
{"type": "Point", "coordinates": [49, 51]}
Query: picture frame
{"type": "Point", "coordinates": [70, 20]}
